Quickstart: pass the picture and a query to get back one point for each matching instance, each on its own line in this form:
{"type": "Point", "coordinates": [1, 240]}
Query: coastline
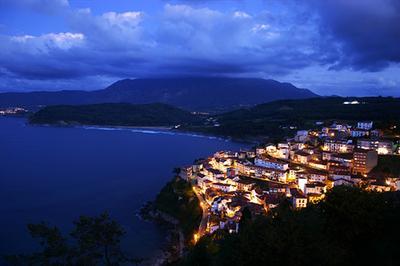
{"type": "Point", "coordinates": [167, 130]}
{"type": "Point", "coordinates": [174, 246]}
{"type": "Point", "coordinates": [177, 209]}
{"type": "Point", "coordinates": [175, 243]}
{"type": "Point", "coordinates": [22, 128]}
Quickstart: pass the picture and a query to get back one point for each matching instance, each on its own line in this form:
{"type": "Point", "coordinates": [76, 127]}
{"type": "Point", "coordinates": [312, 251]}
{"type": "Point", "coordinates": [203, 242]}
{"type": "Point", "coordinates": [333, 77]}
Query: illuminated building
{"type": "Point", "coordinates": [364, 161]}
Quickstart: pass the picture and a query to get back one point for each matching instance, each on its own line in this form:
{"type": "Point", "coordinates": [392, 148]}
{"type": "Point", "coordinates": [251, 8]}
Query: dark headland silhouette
{"type": "Point", "coordinates": [194, 94]}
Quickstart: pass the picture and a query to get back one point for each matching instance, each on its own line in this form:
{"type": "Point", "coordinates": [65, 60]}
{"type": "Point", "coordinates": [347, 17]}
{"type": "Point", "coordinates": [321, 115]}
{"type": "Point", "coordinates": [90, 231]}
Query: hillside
{"type": "Point", "coordinates": [349, 227]}
{"type": "Point", "coordinates": [115, 114]}
{"type": "Point", "coordinates": [283, 118]}
{"type": "Point", "coordinates": [274, 120]}
{"type": "Point", "coordinates": [195, 94]}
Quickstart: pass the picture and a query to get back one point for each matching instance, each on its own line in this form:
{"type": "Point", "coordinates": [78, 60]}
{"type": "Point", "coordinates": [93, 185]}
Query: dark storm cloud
{"type": "Point", "coordinates": [280, 38]}
{"type": "Point", "coordinates": [185, 40]}
{"type": "Point", "coordinates": [366, 32]}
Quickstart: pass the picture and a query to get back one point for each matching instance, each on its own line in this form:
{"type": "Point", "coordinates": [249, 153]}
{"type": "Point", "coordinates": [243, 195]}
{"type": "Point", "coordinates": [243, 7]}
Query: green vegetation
{"type": "Point", "coordinates": [178, 200]}
{"type": "Point", "coordinates": [388, 166]}
{"type": "Point", "coordinates": [115, 114]}
{"type": "Point", "coordinates": [350, 227]}
{"type": "Point", "coordinates": [276, 118]}
{"type": "Point", "coordinates": [94, 241]}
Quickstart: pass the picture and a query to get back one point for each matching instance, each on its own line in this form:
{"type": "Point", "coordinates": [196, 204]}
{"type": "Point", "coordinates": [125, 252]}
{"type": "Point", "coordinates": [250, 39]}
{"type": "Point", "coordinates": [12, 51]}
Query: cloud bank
{"type": "Point", "coordinates": [180, 39]}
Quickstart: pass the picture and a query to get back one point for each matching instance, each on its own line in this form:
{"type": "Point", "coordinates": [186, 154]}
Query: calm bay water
{"type": "Point", "coordinates": [55, 174]}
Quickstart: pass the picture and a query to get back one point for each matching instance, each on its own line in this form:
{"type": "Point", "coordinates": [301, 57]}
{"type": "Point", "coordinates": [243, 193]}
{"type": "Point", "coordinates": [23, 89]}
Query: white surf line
{"type": "Point", "coordinates": [147, 131]}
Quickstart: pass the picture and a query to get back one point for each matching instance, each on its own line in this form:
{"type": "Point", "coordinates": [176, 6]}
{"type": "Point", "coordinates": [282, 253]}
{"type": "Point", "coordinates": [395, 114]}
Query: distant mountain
{"type": "Point", "coordinates": [196, 94]}
{"type": "Point", "coordinates": [115, 114]}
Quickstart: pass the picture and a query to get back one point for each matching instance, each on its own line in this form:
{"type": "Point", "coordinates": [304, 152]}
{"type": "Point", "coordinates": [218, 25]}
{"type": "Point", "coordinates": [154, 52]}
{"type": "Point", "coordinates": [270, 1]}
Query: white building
{"type": "Point", "coordinates": [301, 135]}
{"type": "Point", "coordinates": [340, 146]}
{"type": "Point", "coordinates": [271, 163]}
{"type": "Point", "coordinates": [298, 199]}
{"type": "Point", "coordinates": [315, 188]}
{"type": "Point", "coordinates": [301, 183]}
{"type": "Point", "coordinates": [358, 132]}
{"type": "Point", "coordinates": [381, 146]}
{"type": "Point", "coordinates": [367, 125]}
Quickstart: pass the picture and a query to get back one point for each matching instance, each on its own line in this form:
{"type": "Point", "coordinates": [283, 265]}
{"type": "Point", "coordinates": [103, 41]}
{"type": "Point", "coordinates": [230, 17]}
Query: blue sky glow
{"type": "Point", "coordinates": [331, 47]}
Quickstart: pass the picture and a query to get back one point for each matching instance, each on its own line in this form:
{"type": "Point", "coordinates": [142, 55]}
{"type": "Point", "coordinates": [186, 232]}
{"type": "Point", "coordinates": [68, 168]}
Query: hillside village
{"type": "Point", "coordinates": [299, 169]}
{"type": "Point", "coordinates": [12, 111]}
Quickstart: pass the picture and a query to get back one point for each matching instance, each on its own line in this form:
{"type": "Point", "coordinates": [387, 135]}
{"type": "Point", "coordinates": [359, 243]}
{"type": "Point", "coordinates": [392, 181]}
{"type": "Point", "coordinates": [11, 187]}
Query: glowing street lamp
{"type": "Point", "coordinates": [195, 238]}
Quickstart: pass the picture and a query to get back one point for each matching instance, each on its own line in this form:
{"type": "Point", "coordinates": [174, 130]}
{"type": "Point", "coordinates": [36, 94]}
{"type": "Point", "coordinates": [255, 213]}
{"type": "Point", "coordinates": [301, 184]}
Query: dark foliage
{"type": "Point", "coordinates": [94, 241]}
{"type": "Point", "coordinates": [350, 227]}
{"type": "Point", "coordinates": [388, 166]}
{"type": "Point", "coordinates": [178, 200]}
{"type": "Point", "coordinates": [115, 115]}
{"type": "Point", "coordinates": [276, 118]}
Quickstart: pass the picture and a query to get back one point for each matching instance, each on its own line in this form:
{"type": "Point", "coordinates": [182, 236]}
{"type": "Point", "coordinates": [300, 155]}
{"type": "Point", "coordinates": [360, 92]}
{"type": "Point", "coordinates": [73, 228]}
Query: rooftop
{"type": "Point", "coordinates": [297, 193]}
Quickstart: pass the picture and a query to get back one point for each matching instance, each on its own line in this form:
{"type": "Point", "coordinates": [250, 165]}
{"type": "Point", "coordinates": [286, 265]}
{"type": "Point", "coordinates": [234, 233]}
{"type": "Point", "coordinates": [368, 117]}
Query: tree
{"type": "Point", "coordinates": [351, 226]}
{"type": "Point", "coordinates": [137, 261]}
{"type": "Point", "coordinates": [94, 241]}
{"type": "Point", "coordinates": [176, 171]}
{"type": "Point", "coordinates": [245, 219]}
{"type": "Point", "coordinates": [55, 249]}
{"type": "Point", "coordinates": [98, 239]}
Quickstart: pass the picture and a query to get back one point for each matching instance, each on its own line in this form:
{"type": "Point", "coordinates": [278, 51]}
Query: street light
{"type": "Point", "coordinates": [195, 238]}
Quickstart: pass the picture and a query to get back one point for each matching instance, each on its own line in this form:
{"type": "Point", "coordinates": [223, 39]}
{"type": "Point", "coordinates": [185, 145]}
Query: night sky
{"type": "Point", "coordinates": [341, 47]}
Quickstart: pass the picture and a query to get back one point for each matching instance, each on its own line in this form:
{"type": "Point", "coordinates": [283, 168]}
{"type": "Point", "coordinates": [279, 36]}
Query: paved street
{"type": "Point", "coordinates": [206, 212]}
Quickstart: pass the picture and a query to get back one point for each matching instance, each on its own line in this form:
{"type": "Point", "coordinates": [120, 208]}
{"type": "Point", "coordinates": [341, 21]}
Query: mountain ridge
{"type": "Point", "coordinates": [195, 94]}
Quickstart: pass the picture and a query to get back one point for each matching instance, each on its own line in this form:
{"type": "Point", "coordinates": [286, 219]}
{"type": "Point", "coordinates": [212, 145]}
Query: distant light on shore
{"type": "Point", "coordinates": [353, 102]}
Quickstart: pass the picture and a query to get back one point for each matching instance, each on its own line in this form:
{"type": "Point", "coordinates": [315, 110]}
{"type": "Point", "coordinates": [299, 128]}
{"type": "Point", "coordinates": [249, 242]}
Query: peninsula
{"type": "Point", "coordinates": [301, 174]}
{"type": "Point", "coordinates": [265, 122]}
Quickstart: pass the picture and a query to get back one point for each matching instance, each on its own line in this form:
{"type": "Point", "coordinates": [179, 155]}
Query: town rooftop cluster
{"type": "Point", "coordinates": [300, 169]}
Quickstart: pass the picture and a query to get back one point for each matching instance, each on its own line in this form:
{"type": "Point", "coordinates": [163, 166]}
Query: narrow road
{"type": "Point", "coordinates": [206, 212]}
